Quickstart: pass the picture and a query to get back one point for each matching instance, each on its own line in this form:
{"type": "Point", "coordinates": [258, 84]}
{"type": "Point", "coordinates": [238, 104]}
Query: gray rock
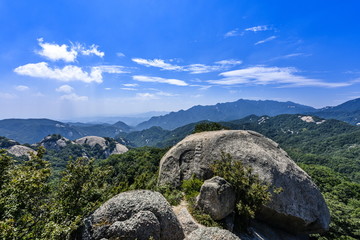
{"type": "Point", "coordinates": [134, 208]}
{"type": "Point", "coordinates": [55, 142]}
{"type": "Point", "coordinates": [217, 198]}
{"type": "Point", "coordinates": [212, 233]}
{"type": "Point", "coordinates": [187, 222]}
{"type": "Point", "coordinates": [300, 208]}
{"type": "Point", "coordinates": [140, 226]}
{"type": "Point", "coordinates": [19, 150]}
{"type": "Point", "coordinates": [261, 231]}
{"type": "Point", "coordinates": [92, 141]}
{"type": "Point", "coordinates": [119, 149]}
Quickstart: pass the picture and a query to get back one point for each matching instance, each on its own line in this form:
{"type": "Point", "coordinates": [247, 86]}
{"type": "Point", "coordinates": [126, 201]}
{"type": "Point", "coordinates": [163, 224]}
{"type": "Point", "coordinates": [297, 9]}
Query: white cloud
{"type": "Point", "coordinates": [93, 50]}
{"type": "Point", "coordinates": [176, 82]}
{"type": "Point", "coordinates": [120, 54]}
{"type": "Point", "coordinates": [229, 62]}
{"type": "Point", "coordinates": [22, 88]}
{"type": "Point", "coordinates": [157, 63]}
{"type": "Point", "coordinates": [7, 95]}
{"type": "Point", "coordinates": [265, 40]}
{"type": "Point", "coordinates": [56, 52]}
{"type": "Point", "coordinates": [202, 68]}
{"type": "Point", "coordinates": [130, 85]}
{"type": "Point", "coordinates": [65, 89]}
{"type": "Point", "coordinates": [146, 96]}
{"type": "Point", "coordinates": [258, 28]}
{"type": "Point", "coordinates": [233, 33]}
{"type": "Point", "coordinates": [192, 68]}
{"type": "Point", "coordinates": [111, 69]}
{"type": "Point", "coordinates": [166, 94]}
{"type": "Point", "coordinates": [284, 77]}
{"type": "Point", "coordinates": [128, 89]}
{"type": "Point", "coordinates": [74, 97]}
{"type": "Point", "coordinates": [292, 55]}
{"type": "Point", "coordinates": [108, 89]}
{"type": "Point", "coordinates": [203, 88]}
{"type": "Point", "coordinates": [65, 74]}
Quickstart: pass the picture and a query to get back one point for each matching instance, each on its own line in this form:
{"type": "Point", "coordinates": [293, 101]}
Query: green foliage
{"type": "Point", "coordinates": [173, 196]}
{"type": "Point", "coordinates": [251, 192]}
{"type": "Point", "coordinates": [201, 217]}
{"type": "Point", "coordinates": [208, 126]}
{"type": "Point", "coordinates": [191, 187]}
{"type": "Point", "coordinates": [23, 199]}
{"type": "Point", "coordinates": [343, 200]}
{"type": "Point", "coordinates": [82, 188]}
{"type": "Point", "coordinates": [6, 163]}
{"type": "Point", "coordinates": [130, 165]}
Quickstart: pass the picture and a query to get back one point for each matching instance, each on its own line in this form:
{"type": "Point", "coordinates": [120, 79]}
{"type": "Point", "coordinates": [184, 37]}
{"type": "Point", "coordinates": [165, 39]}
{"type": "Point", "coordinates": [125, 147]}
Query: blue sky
{"type": "Point", "coordinates": [70, 59]}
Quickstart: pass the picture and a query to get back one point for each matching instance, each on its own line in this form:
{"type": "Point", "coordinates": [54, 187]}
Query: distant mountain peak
{"type": "Point", "coordinates": [224, 112]}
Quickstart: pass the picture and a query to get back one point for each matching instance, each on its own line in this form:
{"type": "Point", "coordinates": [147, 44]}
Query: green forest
{"type": "Point", "coordinates": [48, 195]}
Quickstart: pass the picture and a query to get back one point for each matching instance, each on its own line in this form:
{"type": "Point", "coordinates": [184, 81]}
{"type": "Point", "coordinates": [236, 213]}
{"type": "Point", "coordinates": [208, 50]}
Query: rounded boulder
{"type": "Point", "coordinates": [134, 214]}
{"type": "Point", "coordinates": [299, 208]}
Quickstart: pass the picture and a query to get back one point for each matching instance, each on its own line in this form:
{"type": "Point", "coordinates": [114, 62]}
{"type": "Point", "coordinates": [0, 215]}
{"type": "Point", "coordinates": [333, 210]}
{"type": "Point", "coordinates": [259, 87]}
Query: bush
{"type": "Point", "coordinates": [191, 187]}
{"type": "Point", "coordinates": [208, 126]}
{"type": "Point", "coordinates": [251, 192]}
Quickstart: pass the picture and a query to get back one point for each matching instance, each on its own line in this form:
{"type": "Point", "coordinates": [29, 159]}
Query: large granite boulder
{"type": "Point", "coordinates": [19, 150]}
{"type": "Point", "coordinates": [108, 147]}
{"type": "Point", "coordinates": [211, 233]}
{"type": "Point", "coordinates": [55, 142]}
{"type": "Point", "coordinates": [300, 208]}
{"type": "Point", "coordinates": [217, 198]}
{"type": "Point", "coordinates": [134, 214]}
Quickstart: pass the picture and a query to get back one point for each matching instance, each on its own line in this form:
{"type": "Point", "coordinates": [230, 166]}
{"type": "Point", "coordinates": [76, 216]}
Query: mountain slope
{"type": "Point", "coordinates": [347, 112]}
{"type": "Point", "coordinates": [34, 130]}
{"type": "Point", "coordinates": [224, 112]}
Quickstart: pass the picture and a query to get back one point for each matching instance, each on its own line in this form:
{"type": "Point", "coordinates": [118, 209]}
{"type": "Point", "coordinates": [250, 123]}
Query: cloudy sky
{"type": "Point", "coordinates": [67, 59]}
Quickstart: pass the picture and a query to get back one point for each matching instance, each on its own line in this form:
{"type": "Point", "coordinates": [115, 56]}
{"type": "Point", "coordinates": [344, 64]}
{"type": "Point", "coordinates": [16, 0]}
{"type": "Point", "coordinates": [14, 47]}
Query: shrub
{"type": "Point", "coordinates": [251, 192]}
{"type": "Point", "coordinates": [191, 187]}
{"type": "Point", "coordinates": [208, 126]}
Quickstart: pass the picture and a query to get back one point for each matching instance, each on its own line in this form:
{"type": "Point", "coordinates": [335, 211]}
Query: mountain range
{"type": "Point", "coordinates": [33, 130]}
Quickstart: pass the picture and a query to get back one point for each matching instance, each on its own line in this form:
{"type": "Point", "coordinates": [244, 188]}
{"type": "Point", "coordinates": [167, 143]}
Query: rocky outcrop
{"type": "Point", "coordinates": [19, 150]}
{"type": "Point", "coordinates": [187, 222]}
{"type": "Point", "coordinates": [217, 198]}
{"type": "Point", "coordinates": [55, 142]}
{"type": "Point", "coordinates": [141, 226]}
{"type": "Point", "coordinates": [119, 149]}
{"type": "Point", "coordinates": [108, 147]}
{"type": "Point", "coordinates": [134, 214]}
{"type": "Point", "coordinates": [261, 231]}
{"type": "Point", "coordinates": [300, 208]}
{"type": "Point", "coordinates": [212, 233]}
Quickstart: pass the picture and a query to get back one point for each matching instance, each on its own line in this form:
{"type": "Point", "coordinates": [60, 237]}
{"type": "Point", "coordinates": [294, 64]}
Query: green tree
{"type": "Point", "coordinates": [208, 126]}
{"type": "Point", "coordinates": [251, 192]}
{"type": "Point", "coordinates": [24, 198]}
{"type": "Point", "coordinates": [82, 188]}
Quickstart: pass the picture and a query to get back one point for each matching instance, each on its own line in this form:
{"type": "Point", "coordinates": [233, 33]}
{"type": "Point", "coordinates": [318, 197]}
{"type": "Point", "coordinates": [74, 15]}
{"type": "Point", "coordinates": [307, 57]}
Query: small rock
{"type": "Point", "coordinates": [212, 233]}
{"type": "Point", "coordinates": [217, 198]}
